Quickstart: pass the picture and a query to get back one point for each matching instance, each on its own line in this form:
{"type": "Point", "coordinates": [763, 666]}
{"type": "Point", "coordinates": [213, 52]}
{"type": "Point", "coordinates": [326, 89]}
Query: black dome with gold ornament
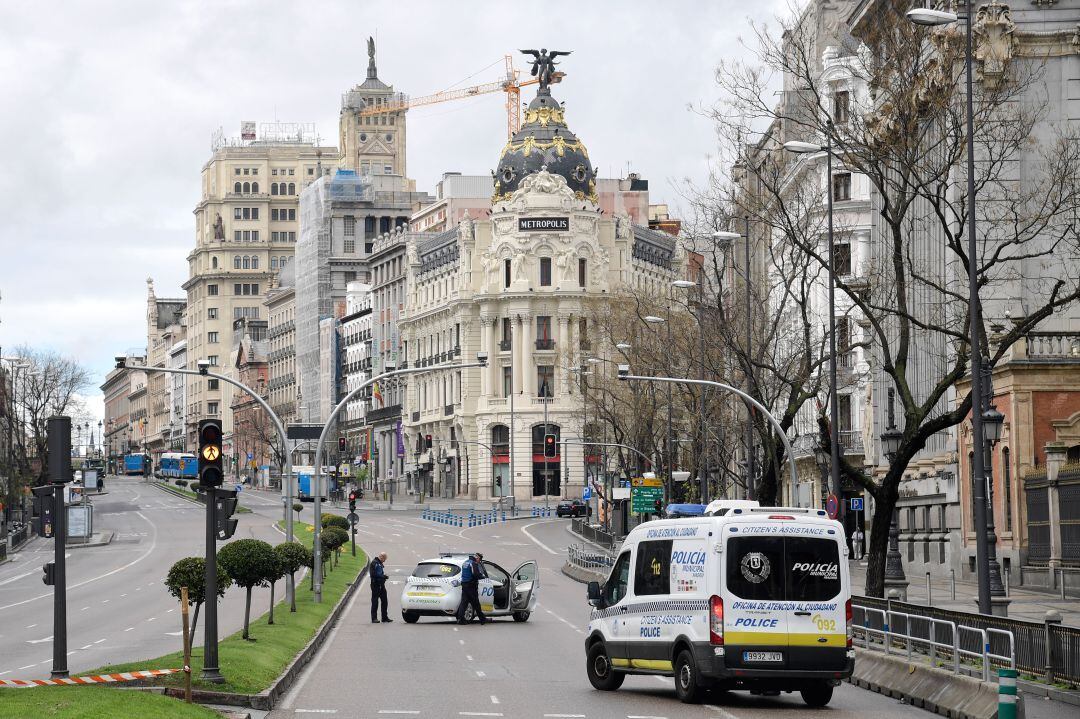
{"type": "Point", "coordinates": [545, 141]}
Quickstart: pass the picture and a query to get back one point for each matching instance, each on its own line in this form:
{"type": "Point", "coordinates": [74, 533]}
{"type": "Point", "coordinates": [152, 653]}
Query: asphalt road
{"type": "Point", "coordinates": [505, 669]}
{"type": "Point", "coordinates": [118, 606]}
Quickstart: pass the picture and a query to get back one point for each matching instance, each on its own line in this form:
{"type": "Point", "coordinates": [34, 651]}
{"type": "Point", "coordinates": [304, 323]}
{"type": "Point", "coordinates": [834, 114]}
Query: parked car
{"type": "Point", "coordinates": [573, 508]}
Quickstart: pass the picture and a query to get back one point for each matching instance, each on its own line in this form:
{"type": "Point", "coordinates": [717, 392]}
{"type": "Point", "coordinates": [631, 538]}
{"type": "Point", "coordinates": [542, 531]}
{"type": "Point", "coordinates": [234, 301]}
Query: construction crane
{"type": "Point", "coordinates": [510, 84]}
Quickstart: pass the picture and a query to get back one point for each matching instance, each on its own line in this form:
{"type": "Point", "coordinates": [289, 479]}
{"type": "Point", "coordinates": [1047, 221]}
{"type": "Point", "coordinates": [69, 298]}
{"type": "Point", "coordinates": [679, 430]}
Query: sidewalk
{"type": "Point", "coordinates": [1026, 604]}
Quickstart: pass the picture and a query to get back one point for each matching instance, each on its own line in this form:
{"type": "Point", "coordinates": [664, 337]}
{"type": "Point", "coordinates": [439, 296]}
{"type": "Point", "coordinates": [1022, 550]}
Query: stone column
{"type": "Point", "coordinates": [1055, 457]}
{"type": "Point", "coordinates": [562, 384]}
{"type": "Point", "coordinates": [528, 369]}
{"type": "Point", "coordinates": [517, 351]}
{"type": "Point", "coordinates": [485, 346]}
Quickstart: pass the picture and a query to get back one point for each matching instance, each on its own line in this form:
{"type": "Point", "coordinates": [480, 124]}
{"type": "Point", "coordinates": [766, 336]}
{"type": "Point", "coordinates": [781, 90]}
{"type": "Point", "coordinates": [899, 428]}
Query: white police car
{"type": "Point", "coordinates": [434, 589]}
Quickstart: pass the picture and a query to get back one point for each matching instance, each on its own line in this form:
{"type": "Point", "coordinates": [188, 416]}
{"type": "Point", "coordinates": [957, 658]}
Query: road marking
{"type": "Point", "coordinates": [122, 596]}
{"type": "Point", "coordinates": [315, 711]}
{"type": "Point", "coordinates": [71, 652]}
{"type": "Point", "coordinates": [461, 642]}
{"type": "Point", "coordinates": [173, 634]}
{"type": "Point", "coordinates": [84, 609]}
{"type": "Point", "coordinates": [28, 666]}
{"type": "Point", "coordinates": [86, 647]}
{"type": "Point", "coordinates": [481, 675]}
{"type": "Point", "coordinates": [546, 548]}
{"type": "Point", "coordinates": [469, 657]}
{"type": "Point", "coordinates": [722, 712]}
{"type": "Point", "coordinates": [104, 601]}
{"type": "Point", "coordinates": [151, 619]}
{"type": "Point", "coordinates": [99, 641]}
{"type": "Point", "coordinates": [129, 629]}
{"type": "Point", "coordinates": [398, 711]}
{"type": "Point", "coordinates": [31, 626]}
{"type": "Point", "coordinates": [565, 716]}
{"type": "Point", "coordinates": [39, 641]}
{"type": "Point", "coordinates": [480, 714]}
{"type": "Point", "coordinates": [3, 673]}
{"type": "Point", "coordinates": [643, 716]}
{"type": "Point", "coordinates": [494, 699]}
{"type": "Point", "coordinates": [170, 611]}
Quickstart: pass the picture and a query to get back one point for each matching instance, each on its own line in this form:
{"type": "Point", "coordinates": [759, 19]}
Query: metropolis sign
{"type": "Point", "coordinates": [541, 224]}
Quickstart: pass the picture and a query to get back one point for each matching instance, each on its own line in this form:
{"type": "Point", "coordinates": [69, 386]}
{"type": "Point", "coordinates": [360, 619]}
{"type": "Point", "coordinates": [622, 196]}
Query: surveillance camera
{"type": "Point", "coordinates": [624, 370]}
{"type": "Point", "coordinates": [482, 358]}
{"type": "Point", "coordinates": [120, 362]}
{"type": "Point", "coordinates": [203, 365]}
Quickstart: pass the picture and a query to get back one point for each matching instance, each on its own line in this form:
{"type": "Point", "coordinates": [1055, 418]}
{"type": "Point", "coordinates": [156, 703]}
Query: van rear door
{"type": "Point", "coordinates": [755, 625]}
{"type": "Point", "coordinates": [817, 630]}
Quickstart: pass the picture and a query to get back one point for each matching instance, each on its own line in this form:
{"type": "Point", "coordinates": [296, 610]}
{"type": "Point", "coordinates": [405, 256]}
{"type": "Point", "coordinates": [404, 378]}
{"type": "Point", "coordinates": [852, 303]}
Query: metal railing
{"type": "Point", "coordinates": [583, 529]}
{"type": "Point", "coordinates": [591, 558]}
{"type": "Point", "coordinates": [1047, 649]}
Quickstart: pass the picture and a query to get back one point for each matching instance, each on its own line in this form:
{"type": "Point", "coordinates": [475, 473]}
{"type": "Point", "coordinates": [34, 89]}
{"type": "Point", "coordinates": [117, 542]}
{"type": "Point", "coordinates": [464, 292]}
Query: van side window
{"type": "Point", "coordinates": [755, 567]}
{"type": "Point", "coordinates": [653, 568]}
{"type": "Point", "coordinates": [615, 588]}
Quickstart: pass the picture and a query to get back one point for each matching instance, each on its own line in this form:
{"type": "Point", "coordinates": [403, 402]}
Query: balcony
{"type": "Point", "coordinates": [1053, 346]}
{"type": "Point", "coordinates": [383, 413]}
{"type": "Point", "coordinates": [545, 400]}
{"type": "Point", "coordinates": [506, 345]}
{"type": "Point", "coordinates": [547, 344]}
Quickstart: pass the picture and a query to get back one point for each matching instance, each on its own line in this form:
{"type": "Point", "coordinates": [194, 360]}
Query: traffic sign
{"type": "Point", "coordinates": [353, 518]}
{"type": "Point", "coordinates": [643, 499]}
{"type": "Point", "coordinates": [211, 452]}
{"type": "Point", "coordinates": [646, 482]}
{"type": "Point", "coordinates": [856, 504]}
{"type": "Point", "coordinates": [586, 494]}
{"type": "Point", "coordinates": [250, 455]}
{"type": "Point", "coordinates": [832, 506]}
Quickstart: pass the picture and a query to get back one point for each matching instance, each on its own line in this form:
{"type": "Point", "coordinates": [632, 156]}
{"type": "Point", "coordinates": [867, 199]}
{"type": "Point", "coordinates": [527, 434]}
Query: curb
{"type": "Point", "coordinates": [240, 509]}
{"type": "Point", "coordinates": [1052, 693]}
{"type": "Point", "coordinates": [266, 700]}
{"type": "Point", "coordinates": [105, 538]}
{"type": "Point", "coordinates": [582, 575]}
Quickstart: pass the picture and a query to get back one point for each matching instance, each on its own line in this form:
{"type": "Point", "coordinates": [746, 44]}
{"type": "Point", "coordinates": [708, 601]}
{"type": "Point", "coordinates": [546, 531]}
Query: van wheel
{"type": "Point", "coordinates": [521, 616]}
{"type": "Point", "coordinates": [410, 617]}
{"type": "Point", "coordinates": [687, 687]}
{"type": "Point", "coordinates": [817, 695]}
{"type": "Point", "coordinates": [601, 674]}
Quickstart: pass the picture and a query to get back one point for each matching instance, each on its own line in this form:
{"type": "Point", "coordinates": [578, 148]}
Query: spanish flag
{"type": "Point", "coordinates": [377, 394]}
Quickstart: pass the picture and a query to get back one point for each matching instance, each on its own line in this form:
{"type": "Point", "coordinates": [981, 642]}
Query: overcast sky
{"type": "Point", "coordinates": [109, 109]}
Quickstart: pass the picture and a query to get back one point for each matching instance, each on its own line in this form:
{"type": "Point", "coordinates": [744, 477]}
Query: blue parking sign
{"type": "Point", "coordinates": [856, 504]}
{"type": "Point", "coordinates": [587, 493]}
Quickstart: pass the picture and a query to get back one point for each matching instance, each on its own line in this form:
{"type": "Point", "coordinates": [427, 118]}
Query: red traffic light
{"type": "Point", "coordinates": [341, 444]}
{"type": "Point", "coordinates": [352, 496]}
{"type": "Point", "coordinates": [210, 434]}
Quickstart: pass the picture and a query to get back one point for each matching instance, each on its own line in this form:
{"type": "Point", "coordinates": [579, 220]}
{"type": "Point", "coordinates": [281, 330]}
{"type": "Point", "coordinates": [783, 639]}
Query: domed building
{"type": "Point", "coordinates": [515, 284]}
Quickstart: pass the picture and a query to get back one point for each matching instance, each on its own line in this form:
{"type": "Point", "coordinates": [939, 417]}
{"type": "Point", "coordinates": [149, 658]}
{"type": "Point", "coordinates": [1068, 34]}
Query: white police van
{"type": "Point", "coordinates": [757, 599]}
{"type": "Point", "coordinates": [434, 589]}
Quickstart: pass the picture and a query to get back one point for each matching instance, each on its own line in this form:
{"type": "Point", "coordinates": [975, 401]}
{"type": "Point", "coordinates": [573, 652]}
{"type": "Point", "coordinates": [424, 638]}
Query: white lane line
{"type": "Point", "coordinates": [3, 673]}
{"type": "Point", "coordinates": [28, 666]}
{"type": "Point", "coordinates": [129, 629]}
{"type": "Point", "coordinates": [565, 716]}
{"type": "Point", "coordinates": [315, 711]}
{"type": "Point", "coordinates": [469, 657]}
{"type": "Point", "coordinates": [104, 601]}
{"type": "Point", "coordinates": [71, 652]}
{"type": "Point", "coordinates": [461, 642]}
{"type": "Point", "coordinates": [723, 713]}
{"type": "Point", "coordinates": [99, 641]}
{"type": "Point", "coordinates": [31, 626]}
{"type": "Point", "coordinates": [480, 714]}
{"type": "Point", "coordinates": [398, 711]}
{"type": "Point", "coordinates": [151, 619]}
{"type": "Point", "coordinates": [643, 716]}
{"type": "Point", "coordinates": [122, 596]}
{"type": "Point", "coordinates": [481, 675]}
{"type": "Point", "coordinates": [537, 542]}
{"type": "Point", "coordinates": [87, 646]}
{"type": "Point", "coordinates": [84, 609]}
{"type": "Point", "coordinates": [494, 699]}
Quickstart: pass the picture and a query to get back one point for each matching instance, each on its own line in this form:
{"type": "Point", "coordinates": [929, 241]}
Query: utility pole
{"type": "Point", "coordinates": [59, 443]}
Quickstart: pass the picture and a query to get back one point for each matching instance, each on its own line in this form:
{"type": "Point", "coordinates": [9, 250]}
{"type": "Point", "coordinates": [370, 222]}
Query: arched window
{"type": "Point", "coordinates": [254, 262]}
{"type": "Point", "coordinates": [236, 262]}
{"type": "Point", "coordinates": [213, 263]}
{"type": "Point", "coordinates": [292, 188]}
{"type": "Point", "coordinates": [273, 263]}
{"type": "Point", "coordinates": [283, 260]}
{"type": "Point", "coordinates": [247, 187]}
{"type": "Point", "coordinates": [273, 188]}
{"type": "Point", "coordinates": [236, 188]}
{"type": "Point", "coordinates": [247, 262]}
{"type": "Point", "coordinates": [500, 439]}
{"type": "Point", "coordinates": [254, 186]}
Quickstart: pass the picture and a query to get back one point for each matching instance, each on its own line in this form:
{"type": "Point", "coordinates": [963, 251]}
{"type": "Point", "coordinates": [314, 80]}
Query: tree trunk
{"type": "Point", "coordinates": [878, 546]}
{"type": "Point", "coordinates": [247, 612]}
{"type": "Point", "coordinates": [194, 623]}
{"type": "Point", "coordinates": [292, 586]}
{"type": "Point", "coordinates": [271, 620]}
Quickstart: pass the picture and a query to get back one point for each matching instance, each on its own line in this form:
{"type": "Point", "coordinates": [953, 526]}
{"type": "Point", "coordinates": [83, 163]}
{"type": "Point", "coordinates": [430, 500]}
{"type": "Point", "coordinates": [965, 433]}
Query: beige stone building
{"type": "Point", "coordinates": [280, 303]}
{"type": "Point", "coordinates": [246, 228]}
{"type": "Point", "coordinates": [164, 328]}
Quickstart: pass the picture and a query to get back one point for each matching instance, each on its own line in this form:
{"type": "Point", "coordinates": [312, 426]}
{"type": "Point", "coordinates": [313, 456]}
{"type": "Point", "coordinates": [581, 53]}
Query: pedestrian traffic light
{"type": "Point", "coordinates": [50, 574]}
{"type": "Point", "coordinates": [225, 505]}
{"type": "Point", "coordinates": [352, 501]}
{"type": "Point", "coordinates": [211, 463]}
{"type": "Point", "coordinates": [43, 509]}
{"type": "Point", "coordinates": [550, 445]}
{"type": "Point", "coordinates": [341, 444]}
{"type": "Point", "coordinates": [427, 441]}
{"type": "Point", "coordinates": [498, 482]}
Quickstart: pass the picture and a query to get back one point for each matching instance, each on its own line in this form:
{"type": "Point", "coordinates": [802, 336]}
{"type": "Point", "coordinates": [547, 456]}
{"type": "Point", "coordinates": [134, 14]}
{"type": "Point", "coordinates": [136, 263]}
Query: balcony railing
{"type": "Point", "coordinates": [1054, 345]}
{"type": "Point", "coordinates": [545, 400]}
{"type": "Point", "coordinates": [547, 344]}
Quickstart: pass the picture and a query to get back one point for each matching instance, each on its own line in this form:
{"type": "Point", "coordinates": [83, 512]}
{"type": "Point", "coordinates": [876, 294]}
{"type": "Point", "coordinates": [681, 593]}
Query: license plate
{"type": "Point", "coordinates": [763, 656]}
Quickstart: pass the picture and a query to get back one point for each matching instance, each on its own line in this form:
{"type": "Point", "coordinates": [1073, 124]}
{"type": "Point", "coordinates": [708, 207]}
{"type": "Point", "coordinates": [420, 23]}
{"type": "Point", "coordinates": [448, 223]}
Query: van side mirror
{"type": "Point", "coordinates": [592, 590]}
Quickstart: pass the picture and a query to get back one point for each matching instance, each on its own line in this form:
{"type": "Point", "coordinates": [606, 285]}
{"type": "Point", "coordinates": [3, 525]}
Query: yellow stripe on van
{"type": "Point", "coordinates": [620, 662]}
{"type": "Point", "coordinates": [782, 639]}
{"type": "Point", "coordinates": [663, 665]}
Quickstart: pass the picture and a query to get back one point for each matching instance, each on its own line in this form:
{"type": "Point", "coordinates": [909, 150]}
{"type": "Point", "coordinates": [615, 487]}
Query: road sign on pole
{"type": "Point", "coordinates": [645, 492]}
{"type": "Point", "coordinates": [856, 504]}
{"type": "Point", "coordinates": [832, 506]}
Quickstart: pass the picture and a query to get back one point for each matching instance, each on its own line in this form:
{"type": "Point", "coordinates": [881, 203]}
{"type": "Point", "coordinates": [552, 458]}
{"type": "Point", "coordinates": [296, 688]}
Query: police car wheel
{"type": "Point", "coordinates": [817, 695]}
{"type": "Point", "coordinates": [470, 613]}
{"type": "Point", "coordinates": [410, 617]}
{"type": "Point", "coordinates": [601, 674]}
{"type": "Point", "coordinates": [521, 616]}
{"type": "Point", "coordinates": [687, 688]}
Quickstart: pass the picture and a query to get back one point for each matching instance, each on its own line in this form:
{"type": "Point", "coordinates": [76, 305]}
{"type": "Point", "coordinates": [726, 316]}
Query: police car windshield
{"type": "Point", "coordinates": [436, 570]}
{"type": "Point", "coordinates": [794, 569]}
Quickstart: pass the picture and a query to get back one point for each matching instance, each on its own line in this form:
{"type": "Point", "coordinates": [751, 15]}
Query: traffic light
{"type": "Point", "coordinates": [341, 444]}
{"type": "Point", "coordinates": [550, 445]}
{"type": "Point", "coordinates": [211, 463]}
{"type": "Point", "coordinates": [427, 441]}
{"type": "Point", "coordinates": [50, 574]}
{"type": "Point", "coordinates": [43, 508]}
{"type": "Point", "coordinates": [352, 501]}
{"type": "Point", "coordinates": [225, 501]}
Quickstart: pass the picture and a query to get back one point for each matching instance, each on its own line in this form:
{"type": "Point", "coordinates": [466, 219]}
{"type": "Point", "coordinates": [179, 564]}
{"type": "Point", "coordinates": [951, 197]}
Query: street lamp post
{"type": "Point", "coordinates": [928, 17]}
{"type": "Point", "coordinates": [992, 420]}
{"type": "Point", "coordinates": [654, 320]}
{"type": "Point", "coordinates": [834, 412]}
{"type": "Point", "coordinates": [895, 578]}
{"type": "Point", "coordinates": [703, 465]}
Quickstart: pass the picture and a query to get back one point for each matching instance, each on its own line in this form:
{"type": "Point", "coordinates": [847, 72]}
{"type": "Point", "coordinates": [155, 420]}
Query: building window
{"type": "Point", "coordinates": [236, 262]}
{"type": "Point", "coordinates": [350, 226]}
{"type": "Point", "coordinates": [254, 262]}
{"type": "Point", "coordinates": [211, 337]}
{"type": "Point", "coordinates": [237, 187]}
{"type": "Point", "coordinates": [247, 262]}
{"type": "Point", "coordinates": [843, 337]}
{"type": "Point", "coordinates": [212, 290]}
{"type": "Point", "coordinates": [211, 313]}
{"type": "Point", "coordinates": [238, 289]}
{"type": "Point", "coordinates": [292, 188]}
{"type": "Point", "coordinates": [213, 263]}
{"type": "Point", "coordinates": [238, 213]}
{"type": "Point", "coordinates": [545, 380]}
{"type": "Point", "coordinates": [273, 214]}
{"type": "Point", "coordinates": [545, 272]}
{"type": "Point", "coordinates": [350, 246]}
{"type": "Point", "coordinates": [543, 328]}
{"type": "Point", "coordinates": [212, 359]}
{"type": "Point", "coordinates": [212, 408]}
{"type": "Point", "coordinates": [841, 186]}
{"type": "Point", "coordinates": [273, 263]}
{"type": "Point", "coordinates": [246, 235]}
{"type": "Point", "coordinates": [254, 235]}
{"type": "Point", "coordinates": [507, 332]}
{"type": "Point", "coordinates": [388, 169]}
{"type": "Point", "coordinates": [236, 170]}
{"type": "Point", "coordinates": [506, 273]}
{"type": "Point", "coordinates": [247, 188]}
{"type": "Point", "coordinates": [507, 381]}
{"type": "Point", "coordinates": [841, 107]}
{"type": "Point", "coordinates": [1006, 488]}
{"type": "Point", "coordinates": [843, 408]}
{"type": "Point", "coordinates": [237, 236]}
{"type": "Point", "coordinates": [842, 258]}
{"type": "Point", "coordinates": [213, 385]}
{"type": "Point", "coordinates": [292, 237]}
{"type": "Point", "coordinates": [292, 171]}
{"type": "Point", "coordinates": [582, 265]}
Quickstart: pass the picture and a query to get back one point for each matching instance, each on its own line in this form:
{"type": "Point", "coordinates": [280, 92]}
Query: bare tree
{"type": "Point", "coordinates": [907, 137]}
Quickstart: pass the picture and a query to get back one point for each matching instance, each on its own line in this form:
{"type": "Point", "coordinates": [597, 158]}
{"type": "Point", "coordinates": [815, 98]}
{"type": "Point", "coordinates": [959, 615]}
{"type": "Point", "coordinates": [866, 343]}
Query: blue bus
{"type": "Point", "coordinates": [136, 464]}
{"type": "Point", "coordinates": [304, 480]}
{"type": "Point", "coordinates": [178, 465]}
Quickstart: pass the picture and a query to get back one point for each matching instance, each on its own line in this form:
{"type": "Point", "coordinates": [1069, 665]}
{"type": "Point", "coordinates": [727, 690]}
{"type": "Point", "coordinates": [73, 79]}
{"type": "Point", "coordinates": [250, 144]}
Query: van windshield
{"type": "Point", "coordinates": [794, 569]}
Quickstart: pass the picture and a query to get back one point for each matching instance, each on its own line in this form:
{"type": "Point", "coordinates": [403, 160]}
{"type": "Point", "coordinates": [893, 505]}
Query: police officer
{"type": "Point", "coordinates": [471, 574]}
{"type": "Point", "coordinates": [377, 575]}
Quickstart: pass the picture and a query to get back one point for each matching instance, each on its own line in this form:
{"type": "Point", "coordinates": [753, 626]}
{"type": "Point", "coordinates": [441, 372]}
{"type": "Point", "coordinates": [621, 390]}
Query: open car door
{"type": "Point", "coordinates": [526, 581]}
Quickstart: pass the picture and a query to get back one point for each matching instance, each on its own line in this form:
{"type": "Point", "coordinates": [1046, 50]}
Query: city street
{"type": "Point", "coordinates": [506, 669]}
{"type": "Point", "coordinates": [118, 606]}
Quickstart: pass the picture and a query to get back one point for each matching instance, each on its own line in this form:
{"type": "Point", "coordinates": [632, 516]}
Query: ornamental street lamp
{"type": "Point", "coordinates": [992, 422]}
{"type": "Point", "coordinates": [891, 439]}
{"type": "Point", "coordinates": [932, 18]}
